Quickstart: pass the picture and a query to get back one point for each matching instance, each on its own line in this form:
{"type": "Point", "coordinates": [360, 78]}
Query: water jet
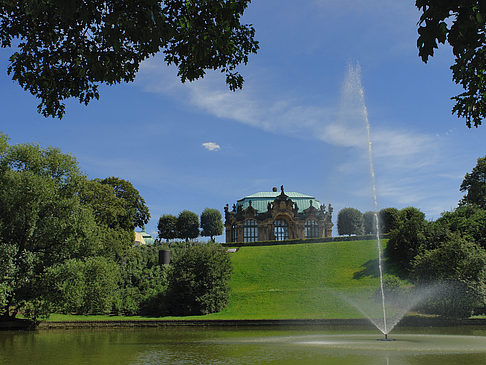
{"type": "Point", "coordinates": [392, 311]}
{"type": "Point", "coordinates": [385, 338]}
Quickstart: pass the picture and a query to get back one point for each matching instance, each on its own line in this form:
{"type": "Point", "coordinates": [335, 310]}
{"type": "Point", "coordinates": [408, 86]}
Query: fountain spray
{"type": "Point", "coordinates": [375, 201]}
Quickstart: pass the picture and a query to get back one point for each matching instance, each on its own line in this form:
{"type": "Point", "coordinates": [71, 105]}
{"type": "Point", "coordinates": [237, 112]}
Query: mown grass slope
{"type": "Point", "coordinates": [317, 280]}
{"type": "Point", "coordinates": [302, 281]}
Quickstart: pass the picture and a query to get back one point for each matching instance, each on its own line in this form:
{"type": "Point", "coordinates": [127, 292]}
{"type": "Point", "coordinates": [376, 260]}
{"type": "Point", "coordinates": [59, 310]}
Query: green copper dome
{"type": "Point", "coordinates": [147, 238]}
{"type": "Point", "coordinates": [259, 201]}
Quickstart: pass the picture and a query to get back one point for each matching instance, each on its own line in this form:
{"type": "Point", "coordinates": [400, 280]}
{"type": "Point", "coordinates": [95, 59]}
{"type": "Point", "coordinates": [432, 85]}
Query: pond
{"type": "Point", "coordinates": [245, 345]}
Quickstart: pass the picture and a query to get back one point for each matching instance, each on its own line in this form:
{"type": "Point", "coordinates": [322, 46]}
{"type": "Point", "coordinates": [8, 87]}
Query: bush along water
{"type": "Point", "coordinates": [196, 282]}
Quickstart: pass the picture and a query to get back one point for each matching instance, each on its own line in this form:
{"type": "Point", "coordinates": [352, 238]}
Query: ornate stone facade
{"type": "Point", "coordinates": [292, 216]}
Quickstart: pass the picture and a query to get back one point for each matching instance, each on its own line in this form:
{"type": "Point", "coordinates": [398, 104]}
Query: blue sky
{"type": "Point", "coordinates": [295, 123]}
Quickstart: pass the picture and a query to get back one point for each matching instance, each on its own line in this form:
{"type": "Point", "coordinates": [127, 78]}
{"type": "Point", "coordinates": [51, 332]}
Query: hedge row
{"type": "Point", "coordinates": [307, 240]}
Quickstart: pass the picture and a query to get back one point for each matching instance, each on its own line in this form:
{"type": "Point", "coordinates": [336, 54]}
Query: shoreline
{"type": "Point", "coordinates": [330, 323]}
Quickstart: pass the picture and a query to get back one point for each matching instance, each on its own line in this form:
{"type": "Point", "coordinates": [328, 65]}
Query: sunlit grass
{"type": "Point", "coordinates": [302, 281]}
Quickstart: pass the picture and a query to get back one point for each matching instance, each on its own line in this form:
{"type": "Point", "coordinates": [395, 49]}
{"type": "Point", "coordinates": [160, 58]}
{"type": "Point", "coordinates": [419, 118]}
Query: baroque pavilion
{"type": "Point", "coordinates": [268, 216]}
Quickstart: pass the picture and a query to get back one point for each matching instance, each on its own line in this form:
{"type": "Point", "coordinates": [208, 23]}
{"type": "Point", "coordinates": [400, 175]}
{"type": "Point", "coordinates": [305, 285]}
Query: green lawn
{"type": "Point", "coordinates": [302, 281]}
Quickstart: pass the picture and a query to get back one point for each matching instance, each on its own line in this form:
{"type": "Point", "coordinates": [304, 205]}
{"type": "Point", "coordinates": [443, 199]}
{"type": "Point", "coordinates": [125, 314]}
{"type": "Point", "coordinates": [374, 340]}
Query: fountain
{"type": "Point", "coordinates": [353, 82]}
{"type": "Point", "coordinates": [375, 203]}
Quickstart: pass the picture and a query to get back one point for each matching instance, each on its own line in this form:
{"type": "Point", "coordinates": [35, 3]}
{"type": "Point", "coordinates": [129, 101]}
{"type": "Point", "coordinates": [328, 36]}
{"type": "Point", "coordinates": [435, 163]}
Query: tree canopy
{"type": "Point", "coordinates": [211, 223]}
{"type": "Point", "coordinates": [369, 222]}
{"type": "Point", "coordinates": [350, 221]}
{"type": "Point", "coordinates": [468, 220]}
{"type": "Point", "coordinates": [462, 23]}
{"type": "Point", "coordinates": [406, 240]}
{"type": "Point", "coordinates": [67, 48]}
{"type": "Point", "coordinates": [474, 184]}
{"type": "Point", "coordinates": [42, 222]}
{"type": "Point", "coordinates": [136, 212]}
{"type": "Point", "coordinates": [388, 219]}
{"type": "Point", "coordinates": [187, 225]}
{"type": "Point", "coordinates": [51, 213]}
{"type": "Point", "coordinates": [167, 227]}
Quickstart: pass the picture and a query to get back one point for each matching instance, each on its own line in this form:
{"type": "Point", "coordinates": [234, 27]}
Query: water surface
{"type": "Point", "coordinates": [268, 345]}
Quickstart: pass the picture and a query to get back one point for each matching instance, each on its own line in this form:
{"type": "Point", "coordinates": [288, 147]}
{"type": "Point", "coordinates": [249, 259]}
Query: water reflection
{"type": "Point", "coordinates": [185, 345]}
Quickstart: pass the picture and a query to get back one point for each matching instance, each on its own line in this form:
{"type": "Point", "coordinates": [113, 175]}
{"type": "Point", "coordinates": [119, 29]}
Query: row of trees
{"type": "Point", "coordinates": [66, 244]}
{"type": "Point", "coordinates": [186, 225]}
{"type": "Point", "coordinates": [449, 253]}
{"type": "Point", "coordinates": [352, 221]}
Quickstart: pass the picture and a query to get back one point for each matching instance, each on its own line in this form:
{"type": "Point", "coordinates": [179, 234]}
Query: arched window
{"type": "Point", "coordinates": [311, 229]}
{"type": "Point", "coordinates": [234, 233]}
{"type": "Point", "coordinates": [250, 231]}
{"type": "Point", "coordinates": [281, 230]}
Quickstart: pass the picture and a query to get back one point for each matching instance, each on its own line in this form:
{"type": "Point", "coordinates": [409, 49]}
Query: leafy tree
{"type": "Point", "coordinates": [3, 143]}
{"type": "Point", "coordinates": [211, 223]}
{"type": "Point", "coordinates": [9, 275]}
{"type": "Point", "coordinates": [136, 212]}
{"type": "Point", "coordinates": [474, 184]}
{"type": "Point", "coordinates": [469, 221]}
{"type": "Point", "coordinates": [462, 24]}
{"type": "Point", "coordinates": [350, 221]}
{"type": "Point", "coordinates": [118, 208]}
{"type": "Point", "coordinates": [406, 240]}
{"type": "Point", "coordinates": [199, 280]}
{"type": "Point", "coordinates": [167, 227]}
{"type": "Point", "coordinates": [107, 207]}
{"type": "Point", "coordinates": [42, 222]}
{"type": "Point", "coordinates": [109, 213]}
{"type": "Point", "coordinates": [187, 225]}
{"type": "Point", "coordinates": [460, 267]}
{"type": "Point", "coordinates": [68, 48]}
{"type": "Point", "coordinates": [60, 235]}
{"type": "Point", "coordinates": [388, 218]}
{"type": "Point", "coordinates": [369, 222]}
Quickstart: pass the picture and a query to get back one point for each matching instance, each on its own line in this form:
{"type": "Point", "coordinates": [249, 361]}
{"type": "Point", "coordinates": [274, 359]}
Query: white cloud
{"type": "Point", "coordinates": [397, 151]}
{"type": "Point", "coordinates": [211, 146]}
{"type": "Point", "coordinates": [341, 125]}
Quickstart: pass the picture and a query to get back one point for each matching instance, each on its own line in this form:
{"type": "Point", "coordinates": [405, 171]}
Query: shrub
{"type": "Point", "coordinates": [460, 269]}
{"type": "Point", "coordinates": [67, 285]}
{"type": "Point", "coordinates": [83, 287]}
{"type": "Point", "coordinates": [199, 280]}
{"type": "Point", "coordinates": [102, 276]}
{"type": "Point", "coordinates": [143, 281]}
{"type": "Point", "coordinates": [394, 291]}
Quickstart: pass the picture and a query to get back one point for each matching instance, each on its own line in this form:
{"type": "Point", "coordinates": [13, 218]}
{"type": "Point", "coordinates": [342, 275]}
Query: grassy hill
{"type": "Point", "coordinates": [317, 280]}
{"type": "Point", "coordinates": [301, 281]}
